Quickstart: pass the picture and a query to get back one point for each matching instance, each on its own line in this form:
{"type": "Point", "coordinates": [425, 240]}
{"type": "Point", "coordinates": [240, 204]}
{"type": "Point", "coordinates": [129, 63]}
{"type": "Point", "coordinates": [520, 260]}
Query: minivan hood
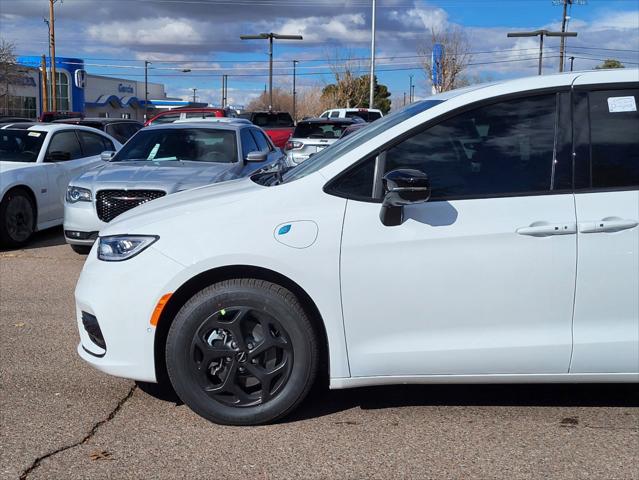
{"type": "Point", "coordinates": [180, 204]}
{"type": "Point", "coordinates": [170, 176]}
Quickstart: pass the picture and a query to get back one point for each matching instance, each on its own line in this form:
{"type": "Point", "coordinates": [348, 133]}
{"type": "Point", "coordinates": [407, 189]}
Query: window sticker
{"type": "Point", "coordinates": [621, 104]}
{"type": "Point", "coordinates": [34, 134]}
{"type": "Point", "coordinates": [154, 152]}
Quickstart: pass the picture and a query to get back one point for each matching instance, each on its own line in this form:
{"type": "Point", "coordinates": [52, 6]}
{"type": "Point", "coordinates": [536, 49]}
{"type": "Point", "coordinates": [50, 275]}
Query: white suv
{"type": "Point", "coordinates": [484, 235]}
{"type": "Point", "coordinates": [366, 114]}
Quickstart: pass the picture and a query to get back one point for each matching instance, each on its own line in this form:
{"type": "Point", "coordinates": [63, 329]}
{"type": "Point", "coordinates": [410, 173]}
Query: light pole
{"type": "Point", "coordinates": [541, 34]}
{"type": "Point", "coordinates": [146, 88]}
{"type": "Point", "coordinates": [295, 62]}
{"type": "Point", "coordinates": [194, 90]}
{"type": "Point", "coordinates": [270, 37]}
{"type": "Point", "coordinates": [46, 84]}
{"type": "Point", "coordinates": [372, 79]}
{"type": "Point", "coordinates": [410, 89]}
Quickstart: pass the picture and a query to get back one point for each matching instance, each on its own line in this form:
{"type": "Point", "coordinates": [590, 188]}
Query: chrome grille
{"type": "Point", "coordinates": [111, 203]}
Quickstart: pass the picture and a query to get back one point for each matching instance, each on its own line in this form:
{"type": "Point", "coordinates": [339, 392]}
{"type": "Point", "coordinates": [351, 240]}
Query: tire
{"type": "Point", "coordinates": [81, 249]}
{"type": "Point", "coordinates": [257, 379]}
{"type": "Point", "coordinates": [17, 218]}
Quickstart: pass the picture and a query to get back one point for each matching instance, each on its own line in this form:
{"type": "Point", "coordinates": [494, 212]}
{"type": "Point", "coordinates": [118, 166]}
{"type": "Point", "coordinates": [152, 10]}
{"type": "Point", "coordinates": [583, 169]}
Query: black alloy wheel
{"type": "Point", "coordinates": [17, 218]}
{"type": "Point", "coordinates": [241, 356]}
{"type": "Point", "coordinates": [242, 352]}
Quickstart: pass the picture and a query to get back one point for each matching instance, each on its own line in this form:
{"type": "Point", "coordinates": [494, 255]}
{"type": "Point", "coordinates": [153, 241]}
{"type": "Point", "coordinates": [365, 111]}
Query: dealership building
{"type": "Point", "coordinates": [79, 91]}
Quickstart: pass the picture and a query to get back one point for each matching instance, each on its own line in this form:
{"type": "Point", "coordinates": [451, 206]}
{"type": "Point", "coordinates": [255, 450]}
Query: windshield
{"type": "Point", "coordinates": [20, 145]}
{"type": "Point", "coordinates": [187, 144]}
{"type": "Point", "coordinates": [337, 149]}
{"type": "Point", "coordinates": [320, 130]}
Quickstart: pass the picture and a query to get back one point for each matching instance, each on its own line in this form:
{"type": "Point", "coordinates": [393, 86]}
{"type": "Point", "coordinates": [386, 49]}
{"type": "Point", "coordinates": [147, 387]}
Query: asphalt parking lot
{"type": "Point", "coordinates": [62, 419]}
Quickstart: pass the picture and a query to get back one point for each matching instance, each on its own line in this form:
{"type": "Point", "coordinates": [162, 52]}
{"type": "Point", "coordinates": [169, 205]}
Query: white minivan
{"type": "Point", "coordinates": [484, 235]}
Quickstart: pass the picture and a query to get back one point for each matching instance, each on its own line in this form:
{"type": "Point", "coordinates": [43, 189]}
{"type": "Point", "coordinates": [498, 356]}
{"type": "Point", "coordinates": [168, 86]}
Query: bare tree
{"type": "Point", "coordinates": [309, 101]}
{"type": "Point", "coordinates": [348, 91]}
{"type": "Point", "coordinates": [9, 73]}
{"type": "Point", "coordinates": [455, 58]}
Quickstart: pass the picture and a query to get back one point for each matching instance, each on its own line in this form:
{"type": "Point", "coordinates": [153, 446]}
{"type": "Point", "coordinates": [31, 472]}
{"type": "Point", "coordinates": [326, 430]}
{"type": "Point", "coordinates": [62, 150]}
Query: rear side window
{"type": "Point", "coordinates": [334, 114]}
{"type": "Point", "coordinates": [364, 115]}
{"type": "Point", "coordinates": [64, 146]}
{"type": "Point", "coordinates": [272, 120]}
{"type": "Point", "coordinates": [94, 144]}
{"type": "Point", "coordinates": [248, 142]}
{"type": "Point", "coordinates": [261, 141]}
{"type": "Point", "coordinates": [203, 115]}
{"type": "Point", "coordinates": [614, 138]}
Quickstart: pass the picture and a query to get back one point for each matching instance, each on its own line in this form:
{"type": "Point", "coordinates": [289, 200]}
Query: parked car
{"type": "Point", "coordinates": [170, 116]}
{"type": "Point", "coordinates": [48, 117]}
{"type": "Point", "coordinates": [157, 161]}
{"type": "Point", "coordinates": [277, 125]}
{"type": "Point", "coordinates": [7, 119]}
{"type": "Point", "coordinates": [119, 128]}
{"type": "Point", "coordinates": [396, 256]}
{"type": "Point", "coordinates": [36, 163]}
{"type": "Point", "coordinates": [366, 114]}
{"type": "Point", "coordinates": [312, 136]}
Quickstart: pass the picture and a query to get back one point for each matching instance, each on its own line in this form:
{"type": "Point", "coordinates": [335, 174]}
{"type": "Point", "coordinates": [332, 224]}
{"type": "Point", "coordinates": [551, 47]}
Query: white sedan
{"type": "Point", "coordinates": [486, 235]}
{"type": "Point", "coordinates": [37, 161]}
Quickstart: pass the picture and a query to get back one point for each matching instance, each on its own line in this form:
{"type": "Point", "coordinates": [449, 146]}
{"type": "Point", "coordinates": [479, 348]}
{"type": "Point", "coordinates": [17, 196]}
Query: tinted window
{"type": "Point", "coordinates": [272, 120]}
{"type": "Point", "coordinates": [122, 131]}
{"type": "Point", "coordinates": [319, 130]}
{"type": "Point", "coordinates": [64, 146]}
{"type": "Point", "coordinates": [184, 144]}
{"type": "Point", "coordinates": [93, 144]}
{"type": "Point", "coordinates": [248, 142]}
{"type": "Point", "coordinates": [261, 141]}
{"type": "Point", "coordinates": [203, 114]}
{"type": "Point", "coordinates": [20, 145]}
{"type": "Point", "coordinates": [364, 115]}
{"type": "Point", "coordinates": [334, 114]}
{"type": "Point", "coordinates": [614, 137]}
{"type": "Point", "coordinates": [505, 148]}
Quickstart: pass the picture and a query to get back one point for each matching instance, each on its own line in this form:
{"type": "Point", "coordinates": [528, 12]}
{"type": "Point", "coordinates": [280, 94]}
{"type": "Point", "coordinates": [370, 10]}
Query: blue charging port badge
{"type": "Point", "coordinates": [284, 229]}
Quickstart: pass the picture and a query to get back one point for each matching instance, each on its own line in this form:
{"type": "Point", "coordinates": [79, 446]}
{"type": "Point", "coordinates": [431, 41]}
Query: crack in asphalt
{"type": "Point", "coordinates": [36, 463]}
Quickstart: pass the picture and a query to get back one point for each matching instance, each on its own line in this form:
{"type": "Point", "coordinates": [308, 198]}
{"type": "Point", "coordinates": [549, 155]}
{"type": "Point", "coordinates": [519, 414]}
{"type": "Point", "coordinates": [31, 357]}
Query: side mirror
{"type": "Point", "coordinates": [402, 187]}
{"type": "Point", "coordinates": [256, 157]}
{"type": "Point", "coordinates": [58, 156]}
{"type": "Point", "coordinates": [107, 155]}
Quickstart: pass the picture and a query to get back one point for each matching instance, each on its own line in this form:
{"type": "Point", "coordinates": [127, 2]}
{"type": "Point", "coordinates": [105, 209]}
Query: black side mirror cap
{"type": "Point", "coordinates": [402, 187]}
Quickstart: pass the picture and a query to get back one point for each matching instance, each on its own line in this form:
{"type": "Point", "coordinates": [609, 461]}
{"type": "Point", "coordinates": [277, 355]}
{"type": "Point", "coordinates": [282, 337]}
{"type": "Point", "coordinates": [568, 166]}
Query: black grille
{"type": "Point", "coordinates": [111, 203]}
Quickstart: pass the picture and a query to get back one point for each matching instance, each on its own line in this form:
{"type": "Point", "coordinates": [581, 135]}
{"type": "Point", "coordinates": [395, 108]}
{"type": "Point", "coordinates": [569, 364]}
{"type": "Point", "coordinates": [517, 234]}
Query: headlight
{"type": "Point", "coordinates": [78, 194]}
{"type": "Point", "coordinates": [117, 248]}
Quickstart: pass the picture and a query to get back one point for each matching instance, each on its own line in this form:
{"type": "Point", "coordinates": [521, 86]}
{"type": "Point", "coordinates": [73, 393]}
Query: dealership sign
{"type": "Point", "coordinates": [123, 88]}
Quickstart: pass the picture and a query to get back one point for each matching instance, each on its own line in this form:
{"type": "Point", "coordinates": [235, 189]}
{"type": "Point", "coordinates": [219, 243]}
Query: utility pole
{"type": "Point", "coordinates": [410, 89]}
{"type": "Point", "coordinates": [146, 88]}
{"type": "Point", "coordinates": [562, 41]}
{"type": "Point", "coordinates": [404, 98]}
{"type": "Point", "coordinates": [371, 103]}
{"type": "Point", "coordinates": [270, 37]}
{"type": "Point", "coordinates": [295, 62]}
{"type": "Point", "coordinates": [45, 94]}
{"type": "Point", "coordinates": [54, 96]}
{"type": "Point", "coordinates": [47, 104]}
{"type": "Point", "coordinates": [194, 90]}
{"type": "Point", "coordinates": [224, 90]}
{"type": "Point", "coordinates": [541, 34]}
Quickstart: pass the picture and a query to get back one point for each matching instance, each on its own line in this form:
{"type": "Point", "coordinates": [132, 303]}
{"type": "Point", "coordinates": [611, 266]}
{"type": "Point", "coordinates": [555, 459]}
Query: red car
{"type": "Point", "coordinates": [277, 125]}
{"type": "Point", "coordinates": [170, 116]}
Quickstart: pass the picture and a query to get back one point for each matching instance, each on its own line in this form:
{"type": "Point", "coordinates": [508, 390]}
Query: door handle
{"type": "Point", "coordinates": [608, 224]}
{"type": "Point", "coordinates": [544, 229]}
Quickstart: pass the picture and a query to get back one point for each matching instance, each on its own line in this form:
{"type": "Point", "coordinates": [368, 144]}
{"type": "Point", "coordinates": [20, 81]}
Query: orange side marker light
{"type": "Point", "coordinates": [155, 318]}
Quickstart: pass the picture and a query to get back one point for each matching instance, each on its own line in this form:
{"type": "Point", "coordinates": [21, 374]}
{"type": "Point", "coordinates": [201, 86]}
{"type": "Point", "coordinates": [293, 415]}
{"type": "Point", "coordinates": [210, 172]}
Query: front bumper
{"type": "Point", "coordinates": [122, 296]}
{"type": "Point", "coordinates": [81, 223]}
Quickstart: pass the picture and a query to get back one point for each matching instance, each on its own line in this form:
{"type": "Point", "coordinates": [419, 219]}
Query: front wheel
{"type": "Point", "coordinates": [17, 218]}
{"type": "Point", "coordinates": [242, 352]}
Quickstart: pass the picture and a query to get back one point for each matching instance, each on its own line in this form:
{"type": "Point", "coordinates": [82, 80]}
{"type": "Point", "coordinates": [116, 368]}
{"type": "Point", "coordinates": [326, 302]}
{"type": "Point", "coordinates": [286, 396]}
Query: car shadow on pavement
{"type": "Point", "coordinates": [322, 402]}
{"type": "Point", "coordinates": [327, 402]}
{"type": "Point", "coordinates": [50, 237]}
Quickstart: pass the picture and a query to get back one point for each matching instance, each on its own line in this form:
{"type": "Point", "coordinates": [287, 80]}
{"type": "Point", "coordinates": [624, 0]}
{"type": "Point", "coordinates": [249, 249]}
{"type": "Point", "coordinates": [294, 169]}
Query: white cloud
{"type": "Point", "coordinates": [146, 32]}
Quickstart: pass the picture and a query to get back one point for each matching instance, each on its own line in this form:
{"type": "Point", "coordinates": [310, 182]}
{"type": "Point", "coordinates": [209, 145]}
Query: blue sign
{"type": "Point", "coordinates": [436, 61]}
{"type": "Point", "coordinates": [125, 88]}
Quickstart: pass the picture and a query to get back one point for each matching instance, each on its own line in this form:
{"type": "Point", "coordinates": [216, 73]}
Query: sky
{"type": "Point", "coordinates": [114, 37]}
